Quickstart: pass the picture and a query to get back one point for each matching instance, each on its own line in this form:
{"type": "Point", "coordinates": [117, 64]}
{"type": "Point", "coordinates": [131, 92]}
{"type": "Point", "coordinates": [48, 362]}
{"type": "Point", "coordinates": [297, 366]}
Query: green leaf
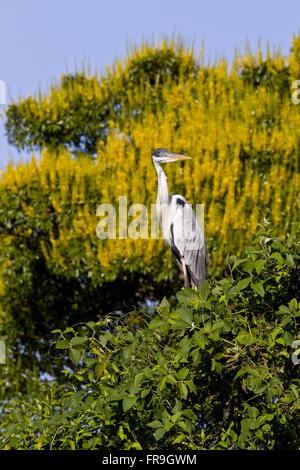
{"type": "Point", "coordinates": [164, 303]}
{"type": "Point", "coordinates": [268, 416]}
{"type": "Point", "coordinates": [244, 337]}
{"type": "Point", "coordinates": [171, 378]}
{"type": "Point", "coordinates": [183, 373]}
{"type": "Point", "coordinates": [99, 368]}
{"type": "Point", "coordinates": [128, 403]}
{"type": "Point", "coordinates": [275, 332]}
{"type": "Point", "coordinates": [183, 390]}
{"type": "Point", "coordinates": [284, 309]}
{"type": "Point", "coordinates": [69, 329]}
{"type": "Point", "coordinates": [74, 355]}
{"type": "Point", "coordinates": [253, 412]}
{"type": "Point", "coordinates": [290, 261]}
{"type": "Point", "coordinates": [162, 383]}
{"type": "Point", "coordinates": [121, 433]}
{"type": "Point", "coordinates": [103, 339]}
{"type": "Point", "coordinates": [186, 314]}
{"type": "Point", "coordinates": [252, 250]}
{"type": "Point", "coordinates": [258, 288]}
{"type": "Point", "coordinates": [242, 371]}
{"type": "Point", "coordinates": [138, 378]}
{"type": "Point", "coordinates": [199, 339]}
{"type": "Point", "coordinates": [203, 290]}
{"type": "Point", "coordinates": [157, 323]}
{"type": "Point", "coordinates": [62, 344]}
{"type": "Point", "coordinates": [258, 265]}
{"type": "Point", "coordinates": [78, 340]}
{"type": "Point", "coordinates": [288, 338]}
{"type": "Point", "coordinates": [159, 433]}
{"type": "Point", "coordinates": [243, 283]}
{"type": "Point", "coordinates": [278, 257]}
{"type": "Point", "coordinates": [177, 407]}
{"type": "Point", "coordinates": [155, 424]}
{"type": "Point", "coordinates": [249, 266]}
{"type": "Point", "coordinates": [269, 394]}
{"type": "Point", "coordinates": [178, 438]}
{"type": "Point", "coordinates": [238, 262]}
{"type": "Point", "coordinates": [164, 312]}
{"type": "Point", "coordinates": [184, 296]}
{"type": "Point", "coordinates": [145, 393]}
{"type": "Point", "coordinates": [196, 356]}
{"type": "Point", "coordinates": [183, 425]}
{"type": "Point", "coordinates": [56, 331]}
{"type": "Point", "coordinates": [245, 425]}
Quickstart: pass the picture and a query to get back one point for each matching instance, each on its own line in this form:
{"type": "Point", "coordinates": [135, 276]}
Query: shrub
{"type": "Point", "coordinates": [211, 369]}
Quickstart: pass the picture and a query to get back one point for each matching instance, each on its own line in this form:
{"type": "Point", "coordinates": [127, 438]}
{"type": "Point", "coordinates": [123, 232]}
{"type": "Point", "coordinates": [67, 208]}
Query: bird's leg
{"type": "Point", "coordinates": [185, 274]}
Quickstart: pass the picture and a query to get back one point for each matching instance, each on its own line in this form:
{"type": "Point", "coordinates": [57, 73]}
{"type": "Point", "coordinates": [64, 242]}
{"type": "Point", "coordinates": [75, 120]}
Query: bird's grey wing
{"type": "Point", "coordinates": [197, 268]}
{"type": "Point", "coordinates": [188, 238]}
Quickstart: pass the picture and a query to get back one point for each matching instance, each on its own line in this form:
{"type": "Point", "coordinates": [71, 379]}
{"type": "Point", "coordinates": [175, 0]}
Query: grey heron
{"type": "Point", "coordinates": [180, 227]}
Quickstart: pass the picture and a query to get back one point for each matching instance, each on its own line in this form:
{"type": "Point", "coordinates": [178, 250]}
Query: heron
{"type": "Point", "coordinates": [180, 227]}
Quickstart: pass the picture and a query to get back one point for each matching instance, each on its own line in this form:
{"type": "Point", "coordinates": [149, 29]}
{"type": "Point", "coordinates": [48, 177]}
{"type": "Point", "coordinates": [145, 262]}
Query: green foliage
{"type": "Point", "coordinates": [277, 79]}
{"type": "Point", "coordinates": [76, 113]}
{"type": "Point", "coordinates": [211, 369]}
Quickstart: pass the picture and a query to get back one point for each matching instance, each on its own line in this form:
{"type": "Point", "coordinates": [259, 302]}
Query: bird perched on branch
{"type": "Point", "coordinates": [180, 227]}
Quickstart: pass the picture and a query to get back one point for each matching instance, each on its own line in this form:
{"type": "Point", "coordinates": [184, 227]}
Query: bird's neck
{"type": "Point", "coordinates": [162, 191]}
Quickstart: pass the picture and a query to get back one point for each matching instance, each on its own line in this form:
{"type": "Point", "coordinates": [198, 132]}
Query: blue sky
{"type": "Point", "coordinates": [40, 39]}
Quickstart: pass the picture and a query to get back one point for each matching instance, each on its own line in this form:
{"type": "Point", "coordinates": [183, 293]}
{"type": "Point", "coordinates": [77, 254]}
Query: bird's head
{"type": "Point", "coordinates": [164, 156]}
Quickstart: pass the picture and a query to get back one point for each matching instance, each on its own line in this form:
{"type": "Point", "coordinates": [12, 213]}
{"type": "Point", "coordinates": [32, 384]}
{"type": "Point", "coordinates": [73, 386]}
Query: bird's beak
{"type": "Point", "coordinates": [180, 157]}
{"type": "Point", "coordinates": [173, 157]}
